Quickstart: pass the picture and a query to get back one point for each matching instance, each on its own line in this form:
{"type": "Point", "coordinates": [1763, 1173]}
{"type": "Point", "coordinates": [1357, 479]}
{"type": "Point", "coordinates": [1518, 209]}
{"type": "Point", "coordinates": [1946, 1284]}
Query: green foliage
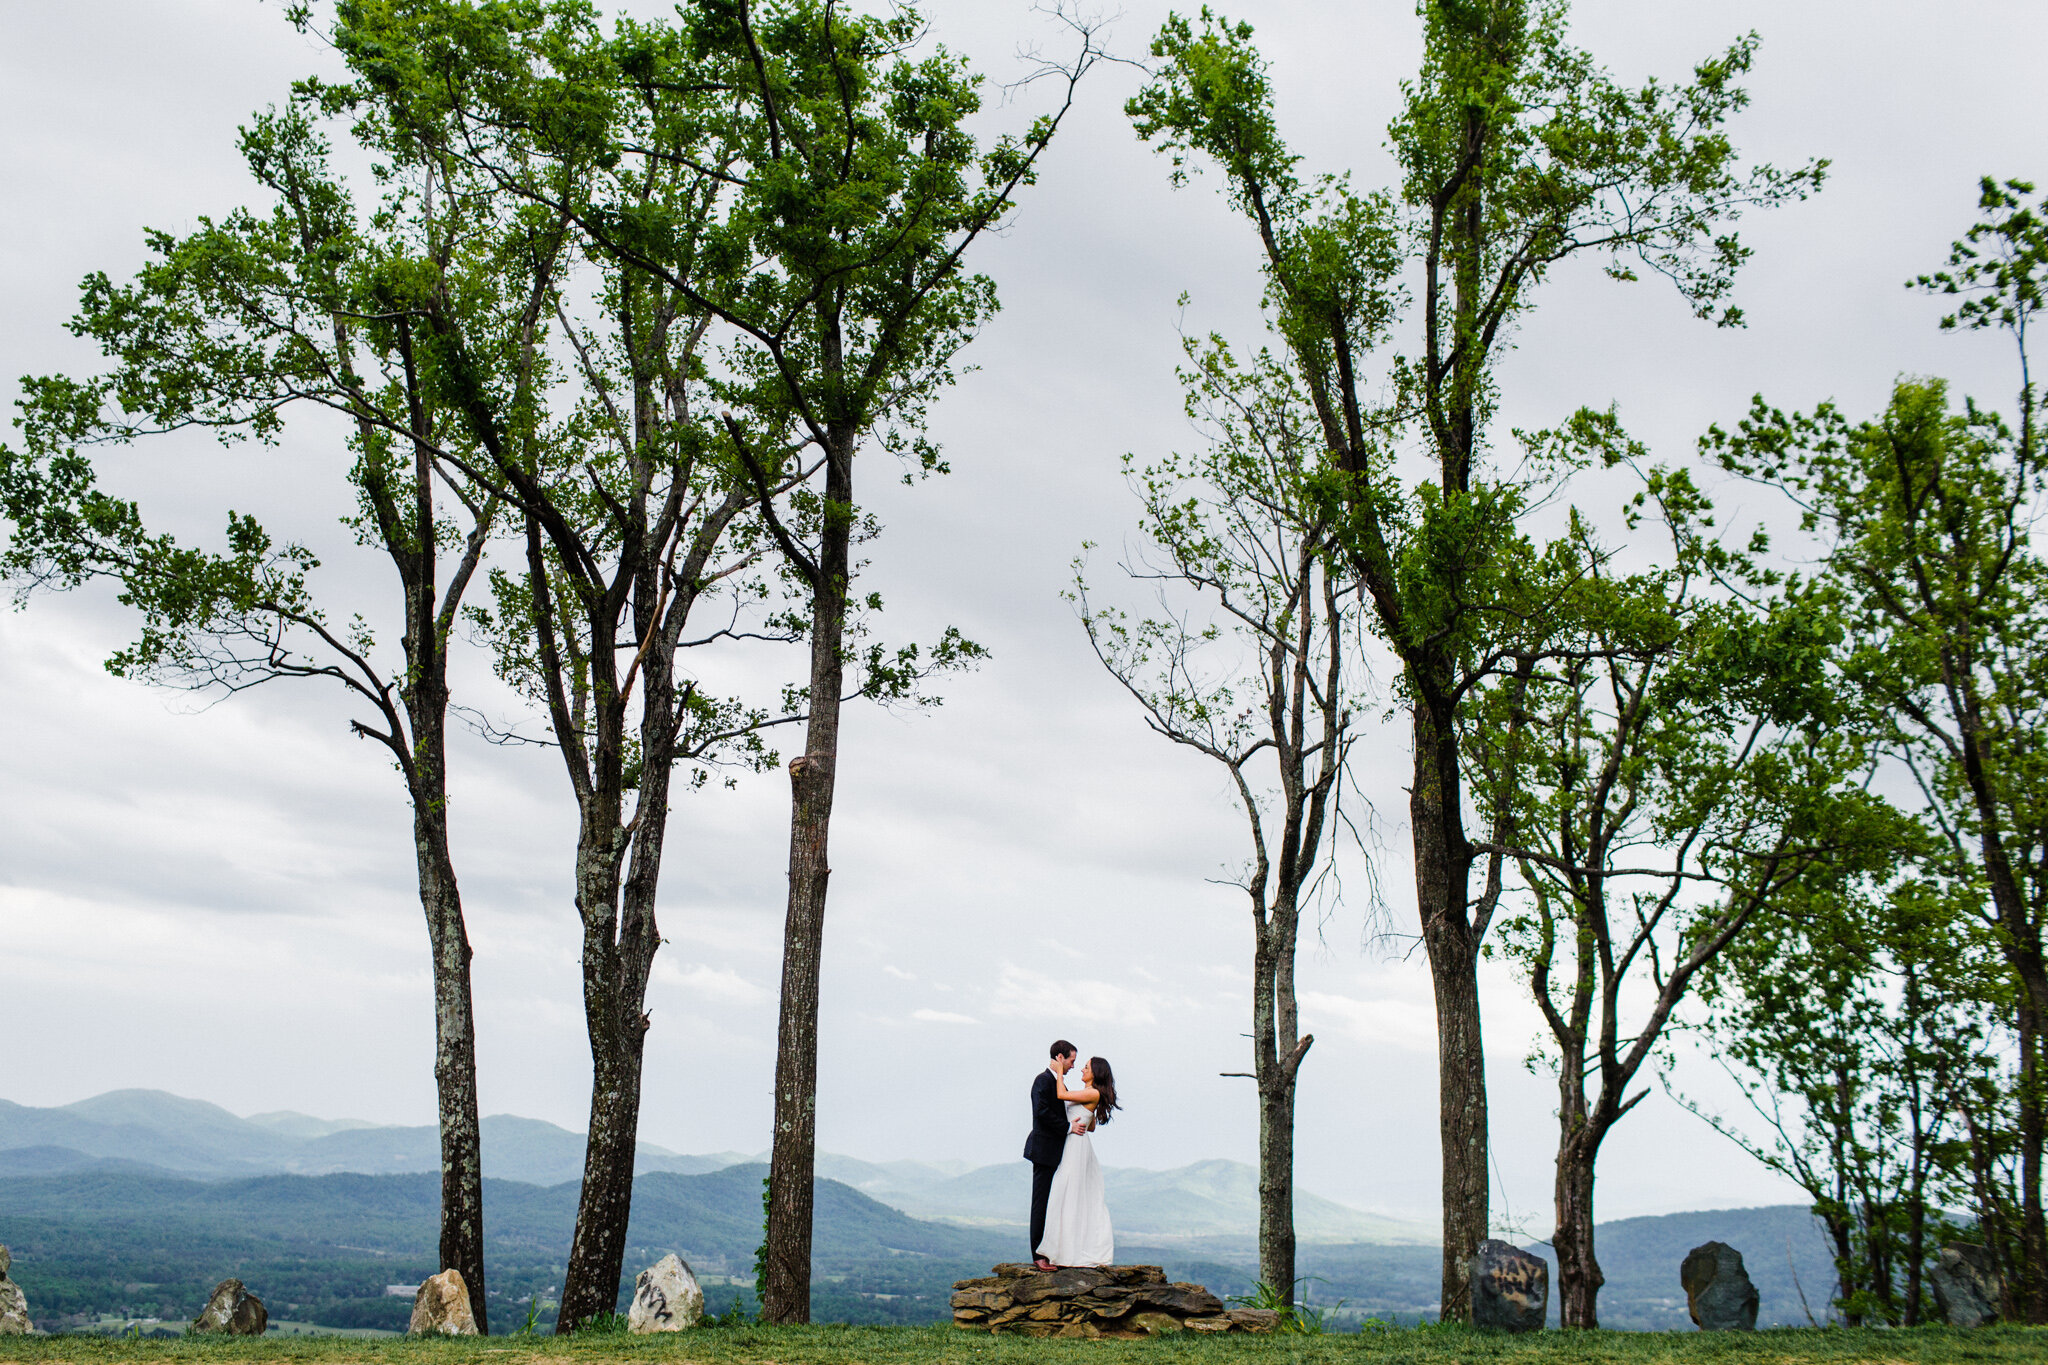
{"type": "Point", "coordinates": [603, 1325]}
{"type": "Point", "coordinates": [534, 1307]}
{"type": "Point", "coordinates": [1518, 152]}
{"type": "Point", "coordinates": [1297, 1318]}
{"type": "Point", "coordinates": [1925, 518]}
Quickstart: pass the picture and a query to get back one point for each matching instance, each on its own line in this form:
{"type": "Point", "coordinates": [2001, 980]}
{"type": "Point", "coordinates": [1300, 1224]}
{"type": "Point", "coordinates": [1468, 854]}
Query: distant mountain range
{"type": "Point", "coordinates": [194, 1138]}
{"type": "Point", "coordinates": [137, 1201]}
{"type": "Point", "coordinates": [90, 1245]}
{"type": "Point", "coordinates": [143, 1130]}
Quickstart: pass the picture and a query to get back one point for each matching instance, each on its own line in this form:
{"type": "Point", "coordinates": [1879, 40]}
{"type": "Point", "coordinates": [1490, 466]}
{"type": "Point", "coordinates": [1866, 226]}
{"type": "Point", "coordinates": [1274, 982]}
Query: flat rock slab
{"type": "Point", "coordinates": [1718, 1292]}
{"type": "Point", "coordinates": [1088, 1302]}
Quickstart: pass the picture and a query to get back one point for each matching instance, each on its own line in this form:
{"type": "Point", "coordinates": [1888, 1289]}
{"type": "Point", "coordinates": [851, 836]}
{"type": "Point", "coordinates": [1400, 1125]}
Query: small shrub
{"type": "Point", "coordinates": [1296, 1319]}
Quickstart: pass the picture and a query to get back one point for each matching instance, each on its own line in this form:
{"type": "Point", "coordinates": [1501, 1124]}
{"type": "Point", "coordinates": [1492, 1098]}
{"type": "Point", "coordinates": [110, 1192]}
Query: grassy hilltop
{"type": "Point", "coordinates": [841, 1345]}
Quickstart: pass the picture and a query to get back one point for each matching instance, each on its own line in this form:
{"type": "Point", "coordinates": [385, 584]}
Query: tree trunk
{"type": "Point", "coordinates": [462, 1177]}
{"type": "Point", "coordinates": [1274, 1074]}
{"type": "Point", "coordinates": [1276, 1186]}
{"type": "Point", "coordinates": [605, 1204]}
{"type": "Point", "coordinates": [792, 1163]}
{"type": "Point", "coordinates": [1837, 1220]}
{"type": "Point", "coordinates": [620, 939]}
{"type": "Point", "coordinates": [1578, 1269]}
{"type": "Point", "coordinates": [1916, 1254]}
{"type": "Point", "coordinates": [425, 696]}
{"type": "Point", "coordinates": [1442, 865]}
{"type": "Point", "coordinates": [2032, 1293]}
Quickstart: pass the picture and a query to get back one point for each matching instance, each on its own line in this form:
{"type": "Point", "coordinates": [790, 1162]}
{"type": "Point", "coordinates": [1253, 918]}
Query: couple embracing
{"type": "Point", "coordinates": [1069, 1215]}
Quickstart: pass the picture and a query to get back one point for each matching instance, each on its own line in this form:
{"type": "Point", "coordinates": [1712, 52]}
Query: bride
{"type": "Point", "coordinates": [1077, 1228]}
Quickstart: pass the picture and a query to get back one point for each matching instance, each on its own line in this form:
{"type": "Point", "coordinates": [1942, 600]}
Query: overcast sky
{"type": "Point", "coordinates": [218, 901]}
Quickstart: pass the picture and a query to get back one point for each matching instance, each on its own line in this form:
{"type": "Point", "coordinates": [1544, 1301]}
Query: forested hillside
{"type": "Point", "coordinates": [323, 1249]}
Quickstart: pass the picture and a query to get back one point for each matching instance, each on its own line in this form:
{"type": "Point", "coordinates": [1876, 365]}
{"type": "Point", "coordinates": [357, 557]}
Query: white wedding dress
{"type": "Point", "coordinates": [1076, 1212]}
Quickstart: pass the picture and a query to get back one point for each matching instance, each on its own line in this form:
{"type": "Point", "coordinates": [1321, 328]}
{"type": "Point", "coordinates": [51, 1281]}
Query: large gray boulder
{"type": "Point", "coordinates": [440, 1307]}
{"type": "Point", "coordinates": [1718, 1292]}
{"type": "Point", "coordinates": [1966, 1287]}
{"type": "Point", "coordinates": [1510, 1288]}
{"type": "Point", "coordinates": [13, 1303]}
{"type": "Point", "coordinates": [666, 1297]}
{"type": "Point", "coordinates": [233, 1310]}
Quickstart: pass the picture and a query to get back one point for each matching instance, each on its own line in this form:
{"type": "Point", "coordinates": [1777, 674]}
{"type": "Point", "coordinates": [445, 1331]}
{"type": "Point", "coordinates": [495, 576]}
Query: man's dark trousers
{"type": "Point", "coordinates": [1041, 1191]}
{"type": "Point", "coordinates": [1044, 1148]}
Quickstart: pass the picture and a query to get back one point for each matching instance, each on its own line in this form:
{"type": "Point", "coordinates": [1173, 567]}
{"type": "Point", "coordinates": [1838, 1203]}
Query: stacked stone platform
{"type": "Point", "coordinates": [1128, 1301]}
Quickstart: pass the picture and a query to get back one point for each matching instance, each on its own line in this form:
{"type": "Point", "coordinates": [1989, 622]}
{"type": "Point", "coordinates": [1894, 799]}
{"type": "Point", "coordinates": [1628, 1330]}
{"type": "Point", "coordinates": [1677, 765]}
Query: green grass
{"type": "Point", "coordinates": [836, 1345]}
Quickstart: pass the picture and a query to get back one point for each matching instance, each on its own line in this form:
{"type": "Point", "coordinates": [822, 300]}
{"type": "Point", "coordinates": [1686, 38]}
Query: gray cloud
{"type": "Point", "coordinates": [1026, 860]}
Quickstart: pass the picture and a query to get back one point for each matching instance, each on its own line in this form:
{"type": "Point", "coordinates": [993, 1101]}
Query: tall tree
{"type": "Point", "coordinates": [1857, 1025]}
{"type": "Point", "coordinates": [1518, 153]}
{"type": "Point", "coordinates": [637, 520]}
{"type": "Point", "coordinates": [1239, 529]}
{"type": "Point", "coordinates": [848, 194]}
{"type": "Point", "coordinates": [1662, 779]}
{"type": "Point", "coordinates": [851, 192]}
{"type": "Point", "coordinates": [1926, 515]}
{"type": "Point", "coordinates": [239, 328]}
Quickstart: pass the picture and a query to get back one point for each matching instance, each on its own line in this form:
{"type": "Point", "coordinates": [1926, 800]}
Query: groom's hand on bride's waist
{"type": "Point", "coordinates": [1080, 1127]}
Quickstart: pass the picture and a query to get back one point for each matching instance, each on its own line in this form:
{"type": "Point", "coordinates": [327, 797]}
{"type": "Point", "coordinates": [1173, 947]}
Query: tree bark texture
{"type": "Point", "coordinates": [620, 938]}
{"type": "Point", "coordinates": [424, 695]}
{"type": "Point", "coordinates": [1442, 882]}
{"type": "Point", "coordinates": [2032, 1292]}
{"type": "Point", "coordinates": [1276, 1186]}
{"type": "Point", "coordinates": [462, 1183]}
{"type": "Point", "coordinates": [2019, 936]}
{"type": "Point", "coordinates": [786, 1294]}
{"type": "Point", "coordinates": [618, 875]}
{"type": "Point", "coordinates": [1578, 1269]}
{"type": "Point", "coordinates": [1277, 1053]}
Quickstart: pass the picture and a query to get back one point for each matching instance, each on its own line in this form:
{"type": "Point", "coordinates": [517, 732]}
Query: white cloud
{"type": "Point", "coordinates": [942, 1017]}
{"type": "Point", "coordinates": [1405, 1024]}
{"type": "Point", "coordinates": [717, 983]}
{"type": "Point", "coordinates": [240, 881]}
{"type": "Point", "coordinates": [1025, 994]}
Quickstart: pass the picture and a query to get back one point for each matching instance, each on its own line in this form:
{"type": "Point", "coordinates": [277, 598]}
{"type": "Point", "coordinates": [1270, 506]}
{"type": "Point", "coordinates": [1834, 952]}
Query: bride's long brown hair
{"type": "Point", "coordinates": [1104, 1081]}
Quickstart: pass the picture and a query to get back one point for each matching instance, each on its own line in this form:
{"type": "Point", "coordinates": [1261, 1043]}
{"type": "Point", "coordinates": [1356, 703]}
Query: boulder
{"type": "Point", "coordinates": [13, 1311]}
{"type": "Point", "coordinates": [1155, 1324]}
{"type": "Point", "coordinates": [666, 1297]}
{"type": "Point", "coordinates": [1510, 1288]}
{"type": "Point", "coordinates": [13, 1303]}
{"type": "Point", "coordinates": [441, 1307]}
{"type": "Point", "coordinates": [234, 1310]}
{"type": "Point", "coordinates": [1718, 1293]}
{"type": "Point", "coordinates": [1966, 1286]}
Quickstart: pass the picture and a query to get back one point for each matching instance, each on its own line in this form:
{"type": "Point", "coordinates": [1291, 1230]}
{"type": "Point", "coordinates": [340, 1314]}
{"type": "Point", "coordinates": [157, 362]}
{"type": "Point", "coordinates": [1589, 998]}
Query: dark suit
{"type": "Point", "coordinates": [1044, 1148]}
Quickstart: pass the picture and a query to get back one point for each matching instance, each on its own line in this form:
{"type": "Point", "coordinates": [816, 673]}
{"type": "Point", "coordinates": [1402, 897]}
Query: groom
{"type": "Point", "coordinates": [1048, 1140]}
